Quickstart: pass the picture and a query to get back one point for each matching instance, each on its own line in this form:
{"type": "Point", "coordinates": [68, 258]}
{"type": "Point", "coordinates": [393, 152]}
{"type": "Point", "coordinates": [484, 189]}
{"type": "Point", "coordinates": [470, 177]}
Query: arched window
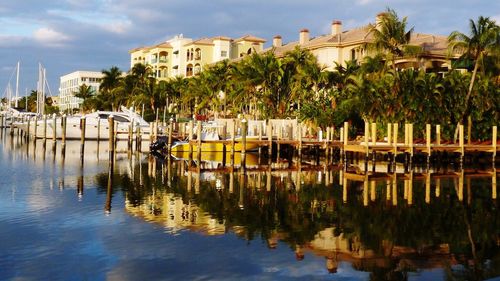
{"type": "Point", "coordinates": [189, 70]}
{"type": "Point", "coordinates": [192, 54]}
{"type": "Point", "coordinates": [163, 57]}
{"type": "Point", "coordinates": [188, 54]}
{"type": "Point", "coordinates": [197, 69]}
{"type": "Point", "coordinates": [197, 54]}
{"type": "Point", "coordinates": [249, 51]}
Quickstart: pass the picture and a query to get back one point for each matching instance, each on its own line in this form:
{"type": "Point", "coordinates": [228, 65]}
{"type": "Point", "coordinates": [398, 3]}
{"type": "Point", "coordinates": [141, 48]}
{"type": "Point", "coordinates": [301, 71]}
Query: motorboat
{"type": "Point", "coordinates": [96, 125]}
{"type": "Point", "coordinates": [212, 142]}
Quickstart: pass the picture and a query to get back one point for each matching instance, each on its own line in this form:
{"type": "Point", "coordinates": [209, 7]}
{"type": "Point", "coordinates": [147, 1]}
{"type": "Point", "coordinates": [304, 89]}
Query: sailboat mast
{"type": "Point", "coordinates": [17, 85]}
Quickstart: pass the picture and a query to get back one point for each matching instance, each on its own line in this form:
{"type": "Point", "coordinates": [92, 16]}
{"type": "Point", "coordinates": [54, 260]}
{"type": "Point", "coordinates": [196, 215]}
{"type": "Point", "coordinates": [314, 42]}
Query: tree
{"type": "Point", "coordinates": [109, 84]}
{"type": "Point", "coordinates": [390, 36]}
{"type": "Point", "coordinates": [483, 40]}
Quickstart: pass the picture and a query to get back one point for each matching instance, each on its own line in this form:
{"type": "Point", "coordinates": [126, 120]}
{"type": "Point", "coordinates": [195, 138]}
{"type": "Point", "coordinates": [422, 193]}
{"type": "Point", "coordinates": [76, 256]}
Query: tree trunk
{"type": "Point", "coordinates": [467, 98]}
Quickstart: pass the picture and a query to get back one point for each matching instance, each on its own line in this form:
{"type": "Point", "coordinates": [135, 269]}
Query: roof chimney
{"type": "Point", "coordinates": [304, 36]}
{"type": "Point", "coordinates": [336, 27]}
{"type": "Point", "coordinates": [277, 41]}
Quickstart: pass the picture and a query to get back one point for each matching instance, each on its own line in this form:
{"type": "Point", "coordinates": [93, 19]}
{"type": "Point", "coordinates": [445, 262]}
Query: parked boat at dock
{"type": "Point", "coordinates": [96, 125]}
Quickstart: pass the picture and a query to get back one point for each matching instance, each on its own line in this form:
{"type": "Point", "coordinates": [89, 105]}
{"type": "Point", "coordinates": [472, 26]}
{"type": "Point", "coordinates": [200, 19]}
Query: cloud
{"type": "Point", "coordinates": [118, 27]}
{"type": "Point", "coordinates": [496, 18]}
{"type": "Point", "coordinates": [50, 37]}
{"type": "Point", "coordinates": [8, 41]}
{"type": "Point", "coordinates": [364, 2]}
{"type": "Point", "coordinates": [223, 18]}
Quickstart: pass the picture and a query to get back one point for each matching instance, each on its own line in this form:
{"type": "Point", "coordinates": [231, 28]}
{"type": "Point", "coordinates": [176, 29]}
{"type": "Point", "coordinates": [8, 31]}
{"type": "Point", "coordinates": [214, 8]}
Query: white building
{"type": "Point", "coordinates": [70, 83]}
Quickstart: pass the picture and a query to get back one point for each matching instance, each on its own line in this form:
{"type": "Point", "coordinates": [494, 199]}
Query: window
{"type": "Point", "coordinates": [197, 69]}
{"type": "Point", "coordinates": [353, 54]}
{"type": "Point", "coordinates": [223, 54]}
{"type": "Point", "coordinates": [197, 54]}
{"type": "Point", "coordinates": [189, 70]}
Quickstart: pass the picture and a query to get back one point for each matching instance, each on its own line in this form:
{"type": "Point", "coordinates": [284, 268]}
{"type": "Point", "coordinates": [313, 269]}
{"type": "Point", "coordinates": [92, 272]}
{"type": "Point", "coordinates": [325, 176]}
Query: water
{"type": "Point", "coordinates": [144, 219]}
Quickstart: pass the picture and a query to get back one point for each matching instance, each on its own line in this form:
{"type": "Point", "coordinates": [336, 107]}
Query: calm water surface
{"type": "Point", "coordinates": [144, 219]}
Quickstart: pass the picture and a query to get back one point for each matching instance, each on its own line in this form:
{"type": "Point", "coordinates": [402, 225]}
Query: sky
{"type": "Point", "coordinates": [70, 35]}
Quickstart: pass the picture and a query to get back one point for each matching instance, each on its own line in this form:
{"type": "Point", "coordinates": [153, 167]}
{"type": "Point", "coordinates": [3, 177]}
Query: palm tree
{"type": "Point", "coordinates": [263, 74]}
{"type": "Point", "coordinates": [109, 85]}
{"type": "Point", "coordinates": [110, 79]}
{"type": "Point", "coordinates": [484, 40]}
{"type": "Point", "coordinates": [84, 92]}
{"type": "Point", "coordinates": [303, 75]}
{"type": "Point", "coordinates": [390, 36]}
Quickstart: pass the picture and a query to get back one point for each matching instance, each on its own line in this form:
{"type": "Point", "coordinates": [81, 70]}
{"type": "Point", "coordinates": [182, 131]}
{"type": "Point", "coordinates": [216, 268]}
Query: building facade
{"type": "Point", "coordinates": [186, 57]}
{"type": "Point", "coordinates": [340, 46]}
{"type": "Point", "coordinates": [70, 83]}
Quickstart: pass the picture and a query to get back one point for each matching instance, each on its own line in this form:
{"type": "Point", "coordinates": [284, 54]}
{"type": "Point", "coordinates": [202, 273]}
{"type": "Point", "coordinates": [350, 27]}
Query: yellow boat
{"type": "Point", "coordinates": [251, 159]}
{"type": "Point", "coordinates": [216, 146]}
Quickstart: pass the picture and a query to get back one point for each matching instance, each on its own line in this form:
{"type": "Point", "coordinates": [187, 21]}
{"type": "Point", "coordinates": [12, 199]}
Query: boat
{"type": "Point", "coordinates": [96, 127]}
{"type": "Point", "coordinates": [214, 146]}
{"type": "Point", "coordinates": [211, 142]}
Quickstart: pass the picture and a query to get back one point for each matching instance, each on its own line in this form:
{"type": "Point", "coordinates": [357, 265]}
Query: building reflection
{"type": "Point", "coordinates": [384, 223]}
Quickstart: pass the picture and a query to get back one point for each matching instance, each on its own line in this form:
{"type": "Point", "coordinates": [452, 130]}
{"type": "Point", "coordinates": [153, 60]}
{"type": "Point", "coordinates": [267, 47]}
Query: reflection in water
{"type": "Point", "coordinates": [393, 225]}
{"type": "Point", "coordinates": [389, 224]}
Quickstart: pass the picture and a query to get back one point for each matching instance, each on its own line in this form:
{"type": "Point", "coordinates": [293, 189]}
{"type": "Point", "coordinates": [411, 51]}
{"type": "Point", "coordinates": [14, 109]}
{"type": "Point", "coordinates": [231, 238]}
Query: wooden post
{"type": "Point", "coordinates": [438, 134]}
{"type": "Point", "coordinates": [346, 133]}
{"type": "Point", "coordinates": [327, 141]}
{"type": "Point", "coordinates": [461, 139]}
{"type": "Point", "coordinates": [260, 139]}
{"type": "Point", "coordinates": [278, 139]}
{"type": "Point", "coordinates": [410, 139]}
{"type": "Point", "coordinates": [151, 130]}
{"type": "Point", "coordinates": [36, 128]}
{"type": "Point", "coordinates": [494, 142]}
{"type": "Point", "coordinates": [165, 115]}
{"type": "Point", "coordinates": [98, 129]}
{"type": "Point", "coordinates": [374, 133]}
{"type": "Point", "coordinates": [367, 139]}
{"type": "Point", "coordinates": [82, 135]}
{"type": "Point", "coordinates": [299, 136]}
{"type": "Point", "coordinates": [170, 131]}
{"type": "Point", "coordinates": [406, 134]}
{"type": "Point", "coordinates": [54, 124]}
{"type": "Point", "coordinates": [190, 138]}
{"type": "Point", "coordinates": [111, 125]}
{"type": "Point", "coordinates": [389, 132]}
{"type": "Point", "coordinates": [198, 138]}
{"type": "Point", "coordinates": [233, 135]}
{"type": "Point", "coordinates": [395, 138]}
{"type": "Point", "coordinates": [130, 134]}
{"type": "Point", "coordinates": [269, 138]}
{"type": "Point", "coordinates": [244, 128]}
{"type": "Point", "coordinates": [469, 129]}
{"type": "Point", "coordinates": [156, 130]}
{"type": "Point", "coordinates": [44, 127]}
{"type": "Point", "coordinates": [63, 126]}
{"type": "Point", "coordinates": [28, 130]}
{"type": "Point", "coordinates": [138, 139]}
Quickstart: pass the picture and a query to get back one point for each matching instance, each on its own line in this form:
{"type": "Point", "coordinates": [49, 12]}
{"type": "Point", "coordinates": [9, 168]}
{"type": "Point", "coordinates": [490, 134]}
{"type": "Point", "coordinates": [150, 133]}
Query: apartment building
{"type": "Point", "coordinates": [70, 83]}
{"type": "Point", "coordinates": [340, 46]}
{"type": "Point", "coordinates": [185, 57]}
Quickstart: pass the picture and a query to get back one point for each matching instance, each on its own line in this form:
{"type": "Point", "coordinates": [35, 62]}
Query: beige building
{"type": "Point", "coordinates": [341, 46]}
{"type": "Point", "coordinates": [69, 84]}
{"type": "Point", "coordinates": [186, 57]}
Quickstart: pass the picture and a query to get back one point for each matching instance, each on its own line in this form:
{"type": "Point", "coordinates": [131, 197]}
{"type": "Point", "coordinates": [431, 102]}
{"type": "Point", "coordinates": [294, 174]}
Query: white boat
{"type": "Point", "coordinates": [96, 126]}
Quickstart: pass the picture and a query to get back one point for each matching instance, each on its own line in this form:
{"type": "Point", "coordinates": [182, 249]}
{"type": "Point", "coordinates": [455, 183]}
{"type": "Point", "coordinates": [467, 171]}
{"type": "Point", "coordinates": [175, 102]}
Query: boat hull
{"type": "Point", "coordinates": [213, 147]}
